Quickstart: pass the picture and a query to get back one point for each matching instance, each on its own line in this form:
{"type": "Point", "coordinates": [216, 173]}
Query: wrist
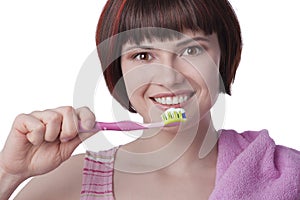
{"type": "Point", "coordinates": [8, 183]}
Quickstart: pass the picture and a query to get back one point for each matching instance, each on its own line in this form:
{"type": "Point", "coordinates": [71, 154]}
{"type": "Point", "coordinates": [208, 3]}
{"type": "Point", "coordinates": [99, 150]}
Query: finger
{"type": "Point", "coordinates": [52, 121]}
{"type": "Point", "coordinates": [87, 118]}
{"type": "Point", "coordinates": [69, 146]}
{"type": "Point", "coordinates": [31, 127]}
{"type": "Point", "coordinates": [69, 126]}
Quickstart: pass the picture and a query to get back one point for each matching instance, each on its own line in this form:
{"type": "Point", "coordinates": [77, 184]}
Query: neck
{"type": "Point", "coordinates": [175, 148]}
{"type": "Point", "coordinates": [202, 151]}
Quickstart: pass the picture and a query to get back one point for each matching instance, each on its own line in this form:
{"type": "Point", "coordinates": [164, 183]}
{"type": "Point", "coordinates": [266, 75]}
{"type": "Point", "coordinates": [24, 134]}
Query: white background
{"type": "Point", "coordinates": [44, 43]}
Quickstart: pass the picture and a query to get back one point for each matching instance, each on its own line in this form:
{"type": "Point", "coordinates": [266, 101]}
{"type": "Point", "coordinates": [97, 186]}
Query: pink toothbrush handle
{"type": "Point", "coordinates": [115, 126]}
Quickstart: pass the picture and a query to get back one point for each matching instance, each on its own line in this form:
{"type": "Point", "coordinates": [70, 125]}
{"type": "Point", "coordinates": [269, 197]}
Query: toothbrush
{"type": "Point", "coordinates": [171, 117]}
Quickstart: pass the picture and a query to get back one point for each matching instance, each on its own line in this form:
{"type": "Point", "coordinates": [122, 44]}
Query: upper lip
{"type": "Point", "coordinates": [188, 93]}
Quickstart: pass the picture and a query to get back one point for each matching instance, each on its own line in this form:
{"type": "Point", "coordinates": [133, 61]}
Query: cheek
{"type": "Point", "coordinates": [205, 73]}
{"type": "Point", "coordinates": [136, 80]}
{"type": "Point", "coordinates": [204, 76]}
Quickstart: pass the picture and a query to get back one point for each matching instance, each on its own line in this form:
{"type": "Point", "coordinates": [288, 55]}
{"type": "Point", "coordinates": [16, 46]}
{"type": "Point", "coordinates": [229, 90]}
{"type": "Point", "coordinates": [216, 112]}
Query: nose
{"type": "Point", "coordinates": [169, 70]}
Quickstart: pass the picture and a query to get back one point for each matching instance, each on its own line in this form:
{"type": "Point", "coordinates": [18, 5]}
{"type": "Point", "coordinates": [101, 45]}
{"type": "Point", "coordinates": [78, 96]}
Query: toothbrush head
{"type": "Point", "coordinates": [173, 115]}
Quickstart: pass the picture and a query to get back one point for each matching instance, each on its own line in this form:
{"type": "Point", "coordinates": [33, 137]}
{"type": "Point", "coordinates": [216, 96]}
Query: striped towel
{"type": "Point", "coordinates": [98, 175]}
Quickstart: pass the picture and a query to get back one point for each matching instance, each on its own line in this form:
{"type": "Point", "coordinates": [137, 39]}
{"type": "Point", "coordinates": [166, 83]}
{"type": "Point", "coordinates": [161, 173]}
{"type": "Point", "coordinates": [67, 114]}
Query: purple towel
{"type": "Point", "coordinates": [251, 166]}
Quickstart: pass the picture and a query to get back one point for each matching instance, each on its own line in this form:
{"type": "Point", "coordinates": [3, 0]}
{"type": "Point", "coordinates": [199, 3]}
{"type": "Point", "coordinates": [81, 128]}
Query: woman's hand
{"type": "Point", "coordinates": [39, 142]}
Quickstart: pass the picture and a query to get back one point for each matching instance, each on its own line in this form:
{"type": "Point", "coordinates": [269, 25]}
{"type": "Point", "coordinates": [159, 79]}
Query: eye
{"type": "Point", "coordinates": [192, 51]}
{"type": "Point", "coordinates": [143, 56]}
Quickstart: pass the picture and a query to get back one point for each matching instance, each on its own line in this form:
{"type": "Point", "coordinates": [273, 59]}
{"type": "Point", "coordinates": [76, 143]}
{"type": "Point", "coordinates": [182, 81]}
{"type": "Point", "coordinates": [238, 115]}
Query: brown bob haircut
{"type": "Point", "coordinates": [196, 15]}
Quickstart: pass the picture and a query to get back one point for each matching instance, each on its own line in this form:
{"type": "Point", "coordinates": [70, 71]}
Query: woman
{"type": "Point", "coordinates": [193, 51]}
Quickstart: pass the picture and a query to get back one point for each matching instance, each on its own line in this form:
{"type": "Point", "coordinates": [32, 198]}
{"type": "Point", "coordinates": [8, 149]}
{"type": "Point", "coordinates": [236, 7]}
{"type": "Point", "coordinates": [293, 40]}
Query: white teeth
{"type": "Point", "coordinates": [171, 100]}
{"type": "Point", "coordinates": [168, 100]}
{"type": "Point", "coordinates": [175, 100]}
{"type": "Point", "coordinates": [181, 99]}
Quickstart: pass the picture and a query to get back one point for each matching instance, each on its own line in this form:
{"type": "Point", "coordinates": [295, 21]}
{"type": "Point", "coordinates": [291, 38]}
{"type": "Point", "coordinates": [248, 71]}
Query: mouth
{"type": "Point", "coordinates": [173, 100]}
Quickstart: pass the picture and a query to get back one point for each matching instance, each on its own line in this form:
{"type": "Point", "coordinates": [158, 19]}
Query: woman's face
{"type": "Point", "coordinates": [172, 73]}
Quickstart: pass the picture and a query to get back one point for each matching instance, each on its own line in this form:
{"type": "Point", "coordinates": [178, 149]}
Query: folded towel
{"type": "Point", "coordinates": [251, 166]}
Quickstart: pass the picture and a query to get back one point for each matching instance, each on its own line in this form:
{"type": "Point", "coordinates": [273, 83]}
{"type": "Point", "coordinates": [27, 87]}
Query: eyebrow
{"type": "Point", "coordinates": [138, 47]}
{"type": "Point", "coordinates": [192, 40]}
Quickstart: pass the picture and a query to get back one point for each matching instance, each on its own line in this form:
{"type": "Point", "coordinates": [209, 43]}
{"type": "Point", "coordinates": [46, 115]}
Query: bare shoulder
{"type": "Point", "coordinates": [62, 183]}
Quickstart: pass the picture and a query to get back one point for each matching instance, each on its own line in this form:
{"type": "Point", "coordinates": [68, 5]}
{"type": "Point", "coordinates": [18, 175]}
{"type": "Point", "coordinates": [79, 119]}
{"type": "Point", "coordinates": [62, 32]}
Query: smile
{"type": "Point", "coordinates": [172, 100]}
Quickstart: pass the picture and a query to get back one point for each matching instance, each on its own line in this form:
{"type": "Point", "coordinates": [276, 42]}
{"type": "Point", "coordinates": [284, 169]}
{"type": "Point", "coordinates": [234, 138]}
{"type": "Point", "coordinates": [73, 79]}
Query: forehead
{"type": "Point", "coordinates": [156, 42]}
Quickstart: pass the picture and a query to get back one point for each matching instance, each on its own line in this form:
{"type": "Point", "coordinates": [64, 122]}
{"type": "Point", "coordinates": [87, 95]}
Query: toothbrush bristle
{"type": "Point", "coordinates": [173, 115]}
